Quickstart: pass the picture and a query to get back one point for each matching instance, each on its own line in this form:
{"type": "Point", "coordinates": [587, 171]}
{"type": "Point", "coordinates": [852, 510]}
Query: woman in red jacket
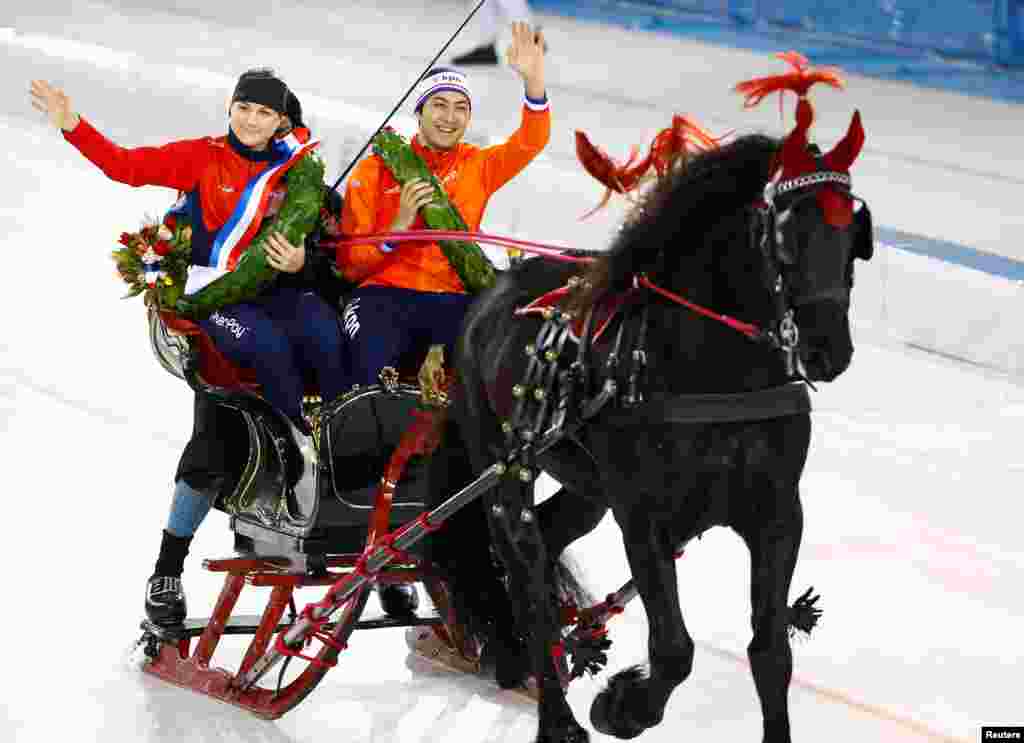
{"type": "Point", "coordinates": [284, 332]}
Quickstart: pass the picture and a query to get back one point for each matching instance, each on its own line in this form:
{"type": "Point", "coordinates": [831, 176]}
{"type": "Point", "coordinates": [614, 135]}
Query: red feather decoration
{"type": "Point", "coordinates": [684, 137]}
{"type": "Point", "coordinates": [799, 81]}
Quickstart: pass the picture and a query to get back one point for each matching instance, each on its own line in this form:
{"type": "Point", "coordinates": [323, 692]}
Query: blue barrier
{"type": "Point", "coordinates": [1009, 32]}
{"type": "Point", "coordinates": [981, 30]}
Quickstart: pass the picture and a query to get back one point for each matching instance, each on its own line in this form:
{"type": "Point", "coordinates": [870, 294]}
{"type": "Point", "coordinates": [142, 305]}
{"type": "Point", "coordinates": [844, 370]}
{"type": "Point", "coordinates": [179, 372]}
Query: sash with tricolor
{"type": "Point", "coordinates": [233, 238]}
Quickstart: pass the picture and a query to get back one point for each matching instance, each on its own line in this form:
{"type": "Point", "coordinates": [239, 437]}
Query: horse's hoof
{"type": "Point", "coordinates": [606, 713]}
{"type": "Point", "coordinates": [509, 662]}
{"type": "Point", "coordinates": [571, 734]}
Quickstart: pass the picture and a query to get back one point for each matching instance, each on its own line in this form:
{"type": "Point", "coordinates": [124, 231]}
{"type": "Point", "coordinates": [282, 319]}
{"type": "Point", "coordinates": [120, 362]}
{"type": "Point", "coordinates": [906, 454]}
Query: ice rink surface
{"type": "Point", "coordinates": [911, 494]}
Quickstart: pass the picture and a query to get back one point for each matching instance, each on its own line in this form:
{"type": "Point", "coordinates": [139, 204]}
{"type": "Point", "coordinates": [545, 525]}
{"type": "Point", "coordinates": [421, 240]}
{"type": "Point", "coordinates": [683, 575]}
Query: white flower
{"type": "Point", "coordinates": [163, 232]}
{"type": "Point", "coordinates": [150, 257]}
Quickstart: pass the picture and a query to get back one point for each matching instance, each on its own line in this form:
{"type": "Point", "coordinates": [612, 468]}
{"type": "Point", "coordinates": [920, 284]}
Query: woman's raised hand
{"type": "Point", "coordinates": [55, 104]}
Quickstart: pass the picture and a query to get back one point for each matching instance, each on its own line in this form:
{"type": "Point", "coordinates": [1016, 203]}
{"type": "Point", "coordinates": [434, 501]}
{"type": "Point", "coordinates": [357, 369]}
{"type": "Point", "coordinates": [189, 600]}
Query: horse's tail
{"type": "Point", "coordinates": [463, 551]}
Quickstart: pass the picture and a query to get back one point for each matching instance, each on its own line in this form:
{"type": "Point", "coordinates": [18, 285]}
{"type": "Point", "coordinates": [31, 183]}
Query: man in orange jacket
{"type": "Point", "coordinates": [409, 297]}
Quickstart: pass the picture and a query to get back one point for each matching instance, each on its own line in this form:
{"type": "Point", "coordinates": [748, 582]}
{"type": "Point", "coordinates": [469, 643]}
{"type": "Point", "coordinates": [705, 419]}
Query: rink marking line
{"type": "Point", "coordinates": [105, 414]}
{"type": "Point", "coordinates": [947, 251]}
{"type": "Point", "coordinates": [838, 697]}
{"type": "Point", "coordinates": [105, 57]}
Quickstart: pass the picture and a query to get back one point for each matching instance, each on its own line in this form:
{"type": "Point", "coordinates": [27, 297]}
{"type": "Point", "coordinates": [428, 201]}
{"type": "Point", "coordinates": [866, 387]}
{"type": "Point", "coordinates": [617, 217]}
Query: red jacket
{"type": "Point", "coordinates": [214, 168]}
{"type": "Point", "coordinates": [470, 176]}
{"type": "Point", "coordinates": [213, 171]}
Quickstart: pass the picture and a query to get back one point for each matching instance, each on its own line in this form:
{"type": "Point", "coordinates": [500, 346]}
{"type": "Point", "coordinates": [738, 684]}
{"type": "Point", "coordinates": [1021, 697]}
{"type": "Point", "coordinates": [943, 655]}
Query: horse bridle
{"type": "Point", "coordinates": [766, 233]}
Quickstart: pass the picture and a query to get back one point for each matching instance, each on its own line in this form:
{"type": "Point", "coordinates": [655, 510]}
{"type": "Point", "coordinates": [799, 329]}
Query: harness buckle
{"type": "Point", "coordinates": [789, 333]}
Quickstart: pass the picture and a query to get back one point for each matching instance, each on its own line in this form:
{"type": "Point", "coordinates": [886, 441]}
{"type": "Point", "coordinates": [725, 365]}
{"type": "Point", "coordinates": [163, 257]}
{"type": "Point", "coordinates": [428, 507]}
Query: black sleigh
{"type": "Point", "coordinates": [302, 516]}
{"type": "Point", "coordinates": [343, 514]}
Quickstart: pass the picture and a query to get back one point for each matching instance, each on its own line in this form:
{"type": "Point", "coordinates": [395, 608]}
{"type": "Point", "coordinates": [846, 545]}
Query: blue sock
{"type": "Point", "coordinates": [188, 509]}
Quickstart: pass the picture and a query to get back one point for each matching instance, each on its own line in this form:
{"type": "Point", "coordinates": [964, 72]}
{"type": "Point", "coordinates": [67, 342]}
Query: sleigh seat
{"type": "Point", "coordinates": [370, 453]}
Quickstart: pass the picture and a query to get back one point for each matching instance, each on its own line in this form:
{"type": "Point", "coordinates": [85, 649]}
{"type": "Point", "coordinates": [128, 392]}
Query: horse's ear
{"type": "Point", "coordinates": [846, 151]}
{"type": "Point", "coordinates": [864, 239]}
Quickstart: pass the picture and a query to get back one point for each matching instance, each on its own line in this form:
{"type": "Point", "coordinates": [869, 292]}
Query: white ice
{"type": "Point", "coordinates": [911, 491]}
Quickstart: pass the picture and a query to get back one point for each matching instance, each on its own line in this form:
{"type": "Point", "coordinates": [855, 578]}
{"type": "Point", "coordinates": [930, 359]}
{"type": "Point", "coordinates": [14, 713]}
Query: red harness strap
{"type": "Point", "coordinates": [748, 329]}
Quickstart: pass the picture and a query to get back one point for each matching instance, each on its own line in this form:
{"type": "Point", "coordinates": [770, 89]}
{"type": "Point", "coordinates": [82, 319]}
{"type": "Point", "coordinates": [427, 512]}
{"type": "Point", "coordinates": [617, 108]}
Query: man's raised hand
{"type": "Point", "coordinates": [526, 56]}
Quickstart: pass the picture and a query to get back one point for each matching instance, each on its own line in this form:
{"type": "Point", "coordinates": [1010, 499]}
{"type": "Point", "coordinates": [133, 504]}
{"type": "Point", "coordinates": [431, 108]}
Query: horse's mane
{"type": "Point", "coordinates": [681, 209]}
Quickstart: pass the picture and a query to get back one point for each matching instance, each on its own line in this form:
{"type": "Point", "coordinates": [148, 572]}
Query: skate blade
{"type": "Point", "coordinates": [164, 632]}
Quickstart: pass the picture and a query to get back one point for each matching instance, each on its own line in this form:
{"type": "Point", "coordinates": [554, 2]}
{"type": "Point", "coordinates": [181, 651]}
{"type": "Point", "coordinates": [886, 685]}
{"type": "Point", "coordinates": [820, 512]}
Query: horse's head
{"type": "Point", "coordinates": [812, 227]}
{"type": "Point", "coordinates": [814, 230]}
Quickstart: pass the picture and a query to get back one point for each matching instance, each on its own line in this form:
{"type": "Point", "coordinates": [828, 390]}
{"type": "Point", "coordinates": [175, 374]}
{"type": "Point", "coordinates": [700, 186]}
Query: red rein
{"type": "Point", "coordinates": [553, 252]}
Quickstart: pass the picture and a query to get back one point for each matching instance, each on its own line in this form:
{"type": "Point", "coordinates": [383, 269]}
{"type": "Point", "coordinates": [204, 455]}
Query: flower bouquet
{"type": "Point", "coordinates": [154, 261]}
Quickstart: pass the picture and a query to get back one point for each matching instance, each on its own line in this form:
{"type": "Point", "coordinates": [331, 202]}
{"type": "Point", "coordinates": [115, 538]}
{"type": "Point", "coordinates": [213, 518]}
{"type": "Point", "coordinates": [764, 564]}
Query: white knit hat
{"type": "Point", "coordinates": [442, 78]}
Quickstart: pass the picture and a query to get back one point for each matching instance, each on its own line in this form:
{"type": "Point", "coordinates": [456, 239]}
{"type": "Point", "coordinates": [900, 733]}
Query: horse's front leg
{"type": "Point", "coordinates": [633, 700]}
{"type": "Point", "coordinates": [517, 538]}
{"type": "Point", "coordinates": [773, 554]}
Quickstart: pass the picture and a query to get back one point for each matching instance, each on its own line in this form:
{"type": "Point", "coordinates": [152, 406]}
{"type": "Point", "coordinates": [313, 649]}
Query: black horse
{"type": "Point", "coordinates": [677, 418]}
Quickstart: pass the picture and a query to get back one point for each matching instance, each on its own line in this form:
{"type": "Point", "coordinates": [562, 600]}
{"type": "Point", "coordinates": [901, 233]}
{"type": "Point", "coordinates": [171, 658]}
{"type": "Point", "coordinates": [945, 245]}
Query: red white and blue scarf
{"type": "Point", "coordinates": [234, 237]}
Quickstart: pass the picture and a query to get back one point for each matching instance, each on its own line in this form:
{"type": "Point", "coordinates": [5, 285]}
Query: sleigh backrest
{"type": "Point", "coordinates": [182, 348]}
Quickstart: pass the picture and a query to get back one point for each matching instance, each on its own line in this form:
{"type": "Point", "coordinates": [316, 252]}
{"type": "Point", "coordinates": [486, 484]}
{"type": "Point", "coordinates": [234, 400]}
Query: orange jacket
{"type": "Point", "coordinates": [470, 176]}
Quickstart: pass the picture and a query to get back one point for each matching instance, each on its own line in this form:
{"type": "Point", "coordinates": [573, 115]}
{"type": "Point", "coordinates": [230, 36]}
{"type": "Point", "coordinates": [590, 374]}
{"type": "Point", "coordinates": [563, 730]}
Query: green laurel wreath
{"type": "Point", "coordinates": [474, 269]}
{"type": "Point", "coordinates": [295, 220]}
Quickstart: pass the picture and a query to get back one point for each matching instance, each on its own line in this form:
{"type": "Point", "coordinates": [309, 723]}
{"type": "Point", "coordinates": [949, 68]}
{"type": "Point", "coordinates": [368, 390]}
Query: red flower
{"type": "Point", "coordinates": [162, 247]}
{"type": "Point", "coordinates": [125, 239]}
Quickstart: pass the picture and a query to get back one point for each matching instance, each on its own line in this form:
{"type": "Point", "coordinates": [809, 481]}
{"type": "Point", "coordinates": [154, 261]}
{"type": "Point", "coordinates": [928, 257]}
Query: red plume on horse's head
{"type": "Point", "coordinates": [795, 158]}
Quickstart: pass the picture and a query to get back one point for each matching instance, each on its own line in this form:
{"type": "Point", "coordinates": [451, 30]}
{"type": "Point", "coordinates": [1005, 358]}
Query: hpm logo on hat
{"type": "Point", "coordinates": [439, 79]}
